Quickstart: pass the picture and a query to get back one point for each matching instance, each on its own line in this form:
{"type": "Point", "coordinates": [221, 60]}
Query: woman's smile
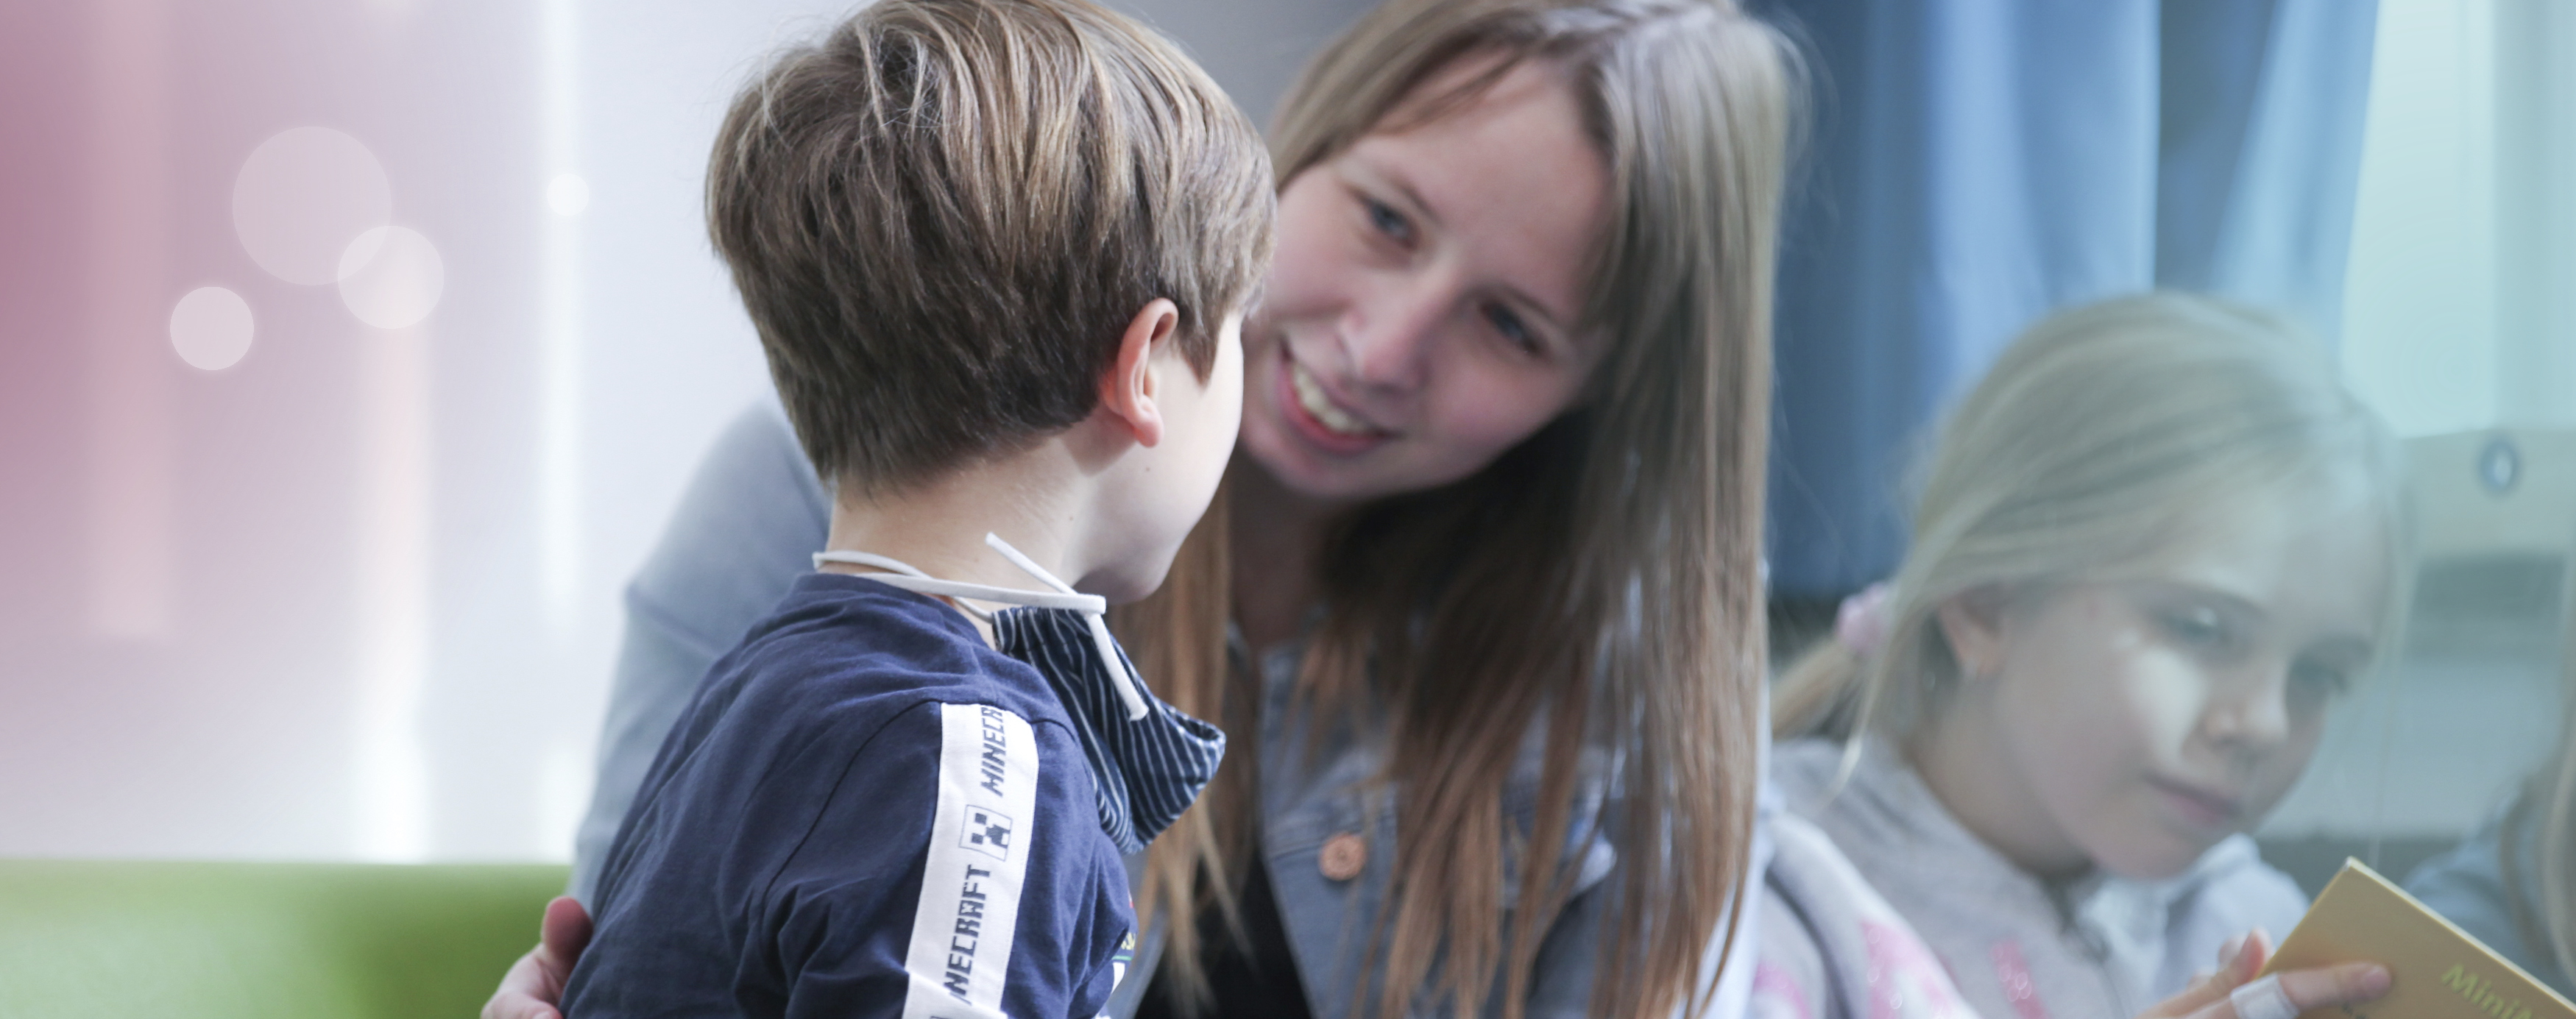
{"type": "Point", "coordinates": [1320, 419]}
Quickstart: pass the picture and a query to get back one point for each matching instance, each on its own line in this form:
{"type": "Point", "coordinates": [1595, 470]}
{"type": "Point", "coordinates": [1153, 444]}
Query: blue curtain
{"type": "Point", "coordinates": [1975, 164]}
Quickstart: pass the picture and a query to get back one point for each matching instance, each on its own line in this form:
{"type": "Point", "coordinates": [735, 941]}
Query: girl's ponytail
{"type": "Point", "coordinates": [1819, 694]}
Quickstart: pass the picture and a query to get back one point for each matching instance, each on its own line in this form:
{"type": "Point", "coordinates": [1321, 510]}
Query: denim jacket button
{"type": "Point", "coordinates": [1343, 856]}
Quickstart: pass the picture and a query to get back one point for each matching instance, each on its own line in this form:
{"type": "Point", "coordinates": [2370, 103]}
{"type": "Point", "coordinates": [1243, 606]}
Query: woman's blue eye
{"type": "Point", "coordinates": [1387, 220]}
{"type": "Point", "coordinates": [1508, 322]}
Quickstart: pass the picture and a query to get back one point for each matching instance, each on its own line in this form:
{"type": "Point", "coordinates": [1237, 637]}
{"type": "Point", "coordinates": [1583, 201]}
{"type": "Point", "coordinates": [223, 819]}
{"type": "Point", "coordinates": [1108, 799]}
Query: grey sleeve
{"type": "Point", "coordinates": [1792, 979]}
{"type": "Point", "coordinates": [746, 528]}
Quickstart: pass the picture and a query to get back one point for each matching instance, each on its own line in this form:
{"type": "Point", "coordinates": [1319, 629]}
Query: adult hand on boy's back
{"type": "Point", "coordinates": [2212, 996]}
{"type": "Point", "coordinates": [535, 983]}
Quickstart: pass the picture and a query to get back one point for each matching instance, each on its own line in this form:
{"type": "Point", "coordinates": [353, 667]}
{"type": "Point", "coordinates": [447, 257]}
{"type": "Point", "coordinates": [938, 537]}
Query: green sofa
{"type": "Point", "coordinates": [140, 940]}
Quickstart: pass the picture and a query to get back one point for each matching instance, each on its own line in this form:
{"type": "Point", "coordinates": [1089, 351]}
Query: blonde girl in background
{"type": "Point", "coordinates": [2513, 883]}
{"type": "Point", "coordinates": [2154, 543]}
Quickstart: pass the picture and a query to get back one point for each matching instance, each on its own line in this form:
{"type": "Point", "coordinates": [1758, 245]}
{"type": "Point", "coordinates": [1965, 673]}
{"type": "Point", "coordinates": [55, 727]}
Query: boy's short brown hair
{"type": "Point", "coordinates": [943, 216]}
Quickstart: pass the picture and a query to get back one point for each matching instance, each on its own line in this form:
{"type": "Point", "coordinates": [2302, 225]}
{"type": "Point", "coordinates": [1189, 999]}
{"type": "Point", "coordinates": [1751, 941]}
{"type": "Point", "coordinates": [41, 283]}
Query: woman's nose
{"type": "Point", "coordinates": [1389, 337]}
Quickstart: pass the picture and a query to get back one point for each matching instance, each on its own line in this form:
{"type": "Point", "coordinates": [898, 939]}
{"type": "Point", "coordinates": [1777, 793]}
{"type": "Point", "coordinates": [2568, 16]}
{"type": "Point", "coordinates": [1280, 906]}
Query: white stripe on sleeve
{"type": "Point", "coordinates": [979, 839]}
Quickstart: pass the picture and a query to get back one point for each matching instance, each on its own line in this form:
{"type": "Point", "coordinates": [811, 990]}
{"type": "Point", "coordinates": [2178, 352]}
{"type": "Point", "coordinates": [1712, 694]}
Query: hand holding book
{"type": "Point", "coordinates": [2437, 970]}
{"type": "Point", "coordinates": [2239, 989]}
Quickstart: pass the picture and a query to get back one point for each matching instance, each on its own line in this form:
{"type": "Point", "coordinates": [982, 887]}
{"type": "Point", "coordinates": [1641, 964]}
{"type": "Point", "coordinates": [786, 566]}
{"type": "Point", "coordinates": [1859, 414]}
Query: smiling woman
{"type": "Point", "coordinates": [1493, 535]}
{"type": "Point", "coordinates": [1411, 334]}
{"type": "Point", "coordinates": [2153, 545]}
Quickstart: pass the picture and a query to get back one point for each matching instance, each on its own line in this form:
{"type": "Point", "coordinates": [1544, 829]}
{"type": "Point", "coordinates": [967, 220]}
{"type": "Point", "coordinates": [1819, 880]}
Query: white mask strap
{"type": "Point", "coordinates": [1093, 607]}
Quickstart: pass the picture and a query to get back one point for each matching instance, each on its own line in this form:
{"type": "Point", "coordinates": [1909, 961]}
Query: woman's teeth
{"type": "Point", "coordinates": [1310, 395]}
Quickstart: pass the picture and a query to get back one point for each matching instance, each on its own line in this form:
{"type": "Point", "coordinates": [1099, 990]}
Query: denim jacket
{"type": "Point", "coordinates": [748, 525]}
{"type": "Point", "coordinates": [1320, 785]}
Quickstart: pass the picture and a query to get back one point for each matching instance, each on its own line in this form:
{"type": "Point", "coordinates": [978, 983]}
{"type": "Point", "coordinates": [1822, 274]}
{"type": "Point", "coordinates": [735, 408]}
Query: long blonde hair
{"type": "Point", "coordinates": [2548, 801]}
{"type": "Point", "coordinates": [1601, 579]}
{"type": "Point", "coordinates": [2090, 446]}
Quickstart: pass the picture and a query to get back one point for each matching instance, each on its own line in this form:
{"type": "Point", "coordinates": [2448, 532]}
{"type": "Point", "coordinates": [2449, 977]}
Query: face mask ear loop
{"type": "Point", "coordinates": [1100, 638]}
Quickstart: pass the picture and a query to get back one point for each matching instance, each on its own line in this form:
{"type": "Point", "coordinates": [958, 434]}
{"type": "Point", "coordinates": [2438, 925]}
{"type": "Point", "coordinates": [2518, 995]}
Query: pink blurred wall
{"type": "Point", "coordinates": [355, 595]}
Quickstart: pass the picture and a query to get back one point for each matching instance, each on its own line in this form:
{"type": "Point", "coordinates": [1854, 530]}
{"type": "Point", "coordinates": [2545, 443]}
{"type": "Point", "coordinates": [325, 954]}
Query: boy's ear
{"type": "Point", "coordinates": [1973, 622]}
{"type": "Point", "coordinates": [1129, 391]}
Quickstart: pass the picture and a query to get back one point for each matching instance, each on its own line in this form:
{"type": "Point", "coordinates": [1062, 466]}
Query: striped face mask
{"type": "Point", "coordinates": [1148, 761]}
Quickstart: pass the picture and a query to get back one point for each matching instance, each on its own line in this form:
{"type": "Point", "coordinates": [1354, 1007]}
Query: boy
{"type": "Point", "coordinates": [997, 253]}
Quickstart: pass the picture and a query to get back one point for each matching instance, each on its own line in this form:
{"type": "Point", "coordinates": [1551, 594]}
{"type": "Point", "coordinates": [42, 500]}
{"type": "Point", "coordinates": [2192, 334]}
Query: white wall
{"type": "Point", "coordinates": [2457, 311]}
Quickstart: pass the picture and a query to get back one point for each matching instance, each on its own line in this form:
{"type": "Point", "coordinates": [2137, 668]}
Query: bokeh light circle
{"type": "Point", "coordinates": [391, 277]}
{"type": "Point", "coordinates": [211, 328]}
{"type": "Point", "coordinates": [302, 196]}
{"type": "Point", "coordinates": [568, 194]}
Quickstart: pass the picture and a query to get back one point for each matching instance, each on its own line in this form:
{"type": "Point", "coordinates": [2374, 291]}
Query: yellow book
{"type": "Point", "coordinates": [2437, 970]}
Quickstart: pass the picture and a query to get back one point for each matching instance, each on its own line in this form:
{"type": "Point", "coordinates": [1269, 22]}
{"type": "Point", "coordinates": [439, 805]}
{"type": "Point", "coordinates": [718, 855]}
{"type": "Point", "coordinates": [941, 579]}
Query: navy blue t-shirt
{"type": "Point", "coordinates": [865, 812]}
